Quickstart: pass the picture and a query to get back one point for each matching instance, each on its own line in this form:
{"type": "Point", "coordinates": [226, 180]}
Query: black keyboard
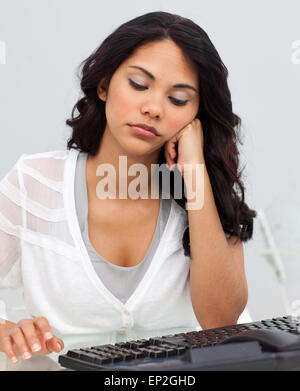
{"type": "Point", "coordinates": [169, 351]}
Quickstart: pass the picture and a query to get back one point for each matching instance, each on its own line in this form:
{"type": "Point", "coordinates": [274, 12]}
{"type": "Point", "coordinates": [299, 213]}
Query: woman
{"type": "Point", "coordinates": [88, 263]}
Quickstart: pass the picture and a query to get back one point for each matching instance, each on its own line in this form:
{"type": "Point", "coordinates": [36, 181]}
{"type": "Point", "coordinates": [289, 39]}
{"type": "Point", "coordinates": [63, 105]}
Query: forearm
{"type": "Point", "coordinates": [217, 287]}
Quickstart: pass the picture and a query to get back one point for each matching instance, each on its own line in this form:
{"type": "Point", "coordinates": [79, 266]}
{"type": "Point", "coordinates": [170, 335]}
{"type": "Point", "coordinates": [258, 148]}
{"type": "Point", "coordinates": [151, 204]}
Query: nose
{"type": "Point", "coordinates": [152, 108]}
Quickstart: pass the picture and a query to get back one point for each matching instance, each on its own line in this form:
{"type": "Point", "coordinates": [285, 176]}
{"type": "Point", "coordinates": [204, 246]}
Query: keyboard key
{"type": "Point", "coordinates": [114, 357]}
{"type": "Point", "coordinates": [158, 354]}
{"type": "Point", "coordinates": [95, 358]}
{"type": "Point", "coordinates": [157, 341]}
{"type": "Point", "coordinates": [74, 353]}
{"type": "Point", "coordinates": [135, 345]}
{"type": "Point", "coordinates": [139, 354]}
{"type": "Point", "coordinates": [146, 341]}
{"type": "Point", "coordinates": [169, 351]}
{"type": "Point", "coordinates": [146, 351]}
{"type": "Point", "coordinates": [100, 347]}
{"type": "Point", "coordinates": [127, 354]}
{"type": "Point", "coordinates": [123, 344]}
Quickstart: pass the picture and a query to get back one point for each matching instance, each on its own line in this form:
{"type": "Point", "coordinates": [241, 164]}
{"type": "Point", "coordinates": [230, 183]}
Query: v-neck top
{"type": "Point", "coordinates": [121, 281]}
{"type": "Point", "coordinates": [43, 252]}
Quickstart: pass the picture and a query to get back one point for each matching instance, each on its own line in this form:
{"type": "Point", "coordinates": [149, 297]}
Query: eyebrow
{"type": "Point", "coordinates": [181, 85]}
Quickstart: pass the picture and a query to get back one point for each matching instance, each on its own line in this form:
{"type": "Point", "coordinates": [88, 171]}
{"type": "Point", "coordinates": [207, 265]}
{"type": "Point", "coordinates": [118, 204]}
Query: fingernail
{"type": "Point", "coordinates": [58, 345]}
{"type": "Point", "coordinates": [26, 355]}
{"type": "Point", "coordinates": [48, 335]}
{"type": "Point", "coordinates": [35, 347]}
{"type": "Point", "coordinates": [14, 359]}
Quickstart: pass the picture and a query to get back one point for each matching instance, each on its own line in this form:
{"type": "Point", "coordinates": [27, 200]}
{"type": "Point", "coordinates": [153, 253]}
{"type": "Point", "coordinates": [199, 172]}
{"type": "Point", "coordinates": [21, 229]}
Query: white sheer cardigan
{"type": "Point", "coordinates": [42, 251]}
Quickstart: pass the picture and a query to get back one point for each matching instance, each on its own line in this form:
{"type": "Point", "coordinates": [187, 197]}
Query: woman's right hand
{"type": "Point", "coordinates": [30, 336]}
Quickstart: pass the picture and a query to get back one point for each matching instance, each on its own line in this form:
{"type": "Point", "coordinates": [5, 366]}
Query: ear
{"type": "Point", "coordinates": [101, 91]}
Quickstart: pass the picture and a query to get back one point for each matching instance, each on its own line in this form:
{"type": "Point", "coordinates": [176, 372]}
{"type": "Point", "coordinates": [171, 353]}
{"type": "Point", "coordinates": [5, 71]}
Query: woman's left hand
{"type": "Point", "coordinates": [190, 146]}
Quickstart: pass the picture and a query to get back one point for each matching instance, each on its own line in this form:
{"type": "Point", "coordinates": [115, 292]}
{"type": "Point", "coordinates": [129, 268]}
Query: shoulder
{"type": "Point", "coordinates": [37, 170]}
{"type": "Point", "coordinates": [36, 183]}
{"type": "Point", "coordinates": [44, 157]}
{"type": "Point", "coordinates": [48, 164]}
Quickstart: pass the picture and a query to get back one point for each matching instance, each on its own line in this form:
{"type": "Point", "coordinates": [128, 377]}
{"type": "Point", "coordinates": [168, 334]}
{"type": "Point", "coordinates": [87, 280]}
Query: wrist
{"type": "Point", "coordinates": [191, 170]}
{"type": "Point", "coordinates": [192, 165]}
{"type": "Point", "coordinates": [194, 180]}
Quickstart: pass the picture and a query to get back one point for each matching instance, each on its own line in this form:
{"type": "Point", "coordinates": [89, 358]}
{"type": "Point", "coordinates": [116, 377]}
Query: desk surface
{"type": "Point", "coordinates": [50, 362]}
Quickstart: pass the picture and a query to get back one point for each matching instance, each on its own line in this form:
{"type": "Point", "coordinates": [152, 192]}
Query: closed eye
{"type": "Point", "coordinates": [176, 102]}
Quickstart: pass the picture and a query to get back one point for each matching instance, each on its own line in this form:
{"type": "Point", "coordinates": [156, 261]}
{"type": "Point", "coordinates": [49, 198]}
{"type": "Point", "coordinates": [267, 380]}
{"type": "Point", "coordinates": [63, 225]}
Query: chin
{"type": "Point", "coordinates": [135, 146]}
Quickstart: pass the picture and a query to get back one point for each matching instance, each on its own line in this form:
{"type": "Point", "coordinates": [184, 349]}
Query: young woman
{"type": "Point", "coordinates": [91, 264]}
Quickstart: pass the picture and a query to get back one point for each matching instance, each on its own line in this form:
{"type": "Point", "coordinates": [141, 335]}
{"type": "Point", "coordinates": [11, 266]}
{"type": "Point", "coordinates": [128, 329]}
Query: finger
{"type": "Point", "coordinates": [43, 325]}
{"type": "Point", "coordinates": [18, 338]}
{"type": "Point", "coordinates": [61, 343]}
{"type": "Point", "coordinates": [171, 147]}
{"type": "Point", "coordinates": [8, 349]}
{"type": "Point", "coordinates": [56, 344]}
{"type": "Point", "coordinates": [30, 334]}
{"type": "Point", "coordinates": [170, 161]}
{"type": "Point", "coordinates": [172, 153]}
{"type": "Point", "coordinates": [169, 156]}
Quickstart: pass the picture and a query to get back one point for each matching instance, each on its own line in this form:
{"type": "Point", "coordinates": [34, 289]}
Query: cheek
{"type": "Point", "coordinates": [120, 106]}
{"type": "Point", "coordinates": [112, 106]}
{"type": "Point", "coordinates": [179, 119]}
{"type": "Point", "coordinates": [176, 122]}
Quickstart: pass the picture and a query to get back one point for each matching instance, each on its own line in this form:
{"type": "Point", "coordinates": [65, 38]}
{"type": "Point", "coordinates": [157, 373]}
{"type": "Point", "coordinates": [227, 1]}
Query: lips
{"type": "Point", "coordinates": [144, 126]}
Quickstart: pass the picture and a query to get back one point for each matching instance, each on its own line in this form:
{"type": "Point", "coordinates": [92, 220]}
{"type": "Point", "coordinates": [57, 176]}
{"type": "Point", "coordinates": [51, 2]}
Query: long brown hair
{"type": "Point", "coordinates": [220, 125]}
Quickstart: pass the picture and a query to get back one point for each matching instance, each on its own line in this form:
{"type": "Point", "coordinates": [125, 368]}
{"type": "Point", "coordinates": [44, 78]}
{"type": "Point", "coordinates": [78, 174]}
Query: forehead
{"type": "Point", "coordinates": [164, 59]}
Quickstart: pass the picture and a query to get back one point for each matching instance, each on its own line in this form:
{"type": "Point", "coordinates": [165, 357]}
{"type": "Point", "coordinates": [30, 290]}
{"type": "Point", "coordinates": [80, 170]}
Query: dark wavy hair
{"type": "Point", "coordinates": [220, 125]}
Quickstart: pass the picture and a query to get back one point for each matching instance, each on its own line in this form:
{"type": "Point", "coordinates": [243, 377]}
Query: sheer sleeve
{"type": "Point", "coordinates": [32, 213]}
{"type": "Point", "coordinates": [10, 230]}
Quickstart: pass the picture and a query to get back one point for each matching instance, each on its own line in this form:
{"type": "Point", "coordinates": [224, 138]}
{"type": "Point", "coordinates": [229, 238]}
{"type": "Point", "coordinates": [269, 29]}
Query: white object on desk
{"type": "Point", "coordinates": [280, 223]}
{"type": "Point", "coordinates": [3, 313]}
{"type": "Point", "coordinates": [245, 317]}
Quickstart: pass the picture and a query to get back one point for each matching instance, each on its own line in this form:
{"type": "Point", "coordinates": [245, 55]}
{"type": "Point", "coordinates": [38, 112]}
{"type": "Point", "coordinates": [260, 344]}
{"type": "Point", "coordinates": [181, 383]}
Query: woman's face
{"type": "Point", "coordinates": [156, 102]}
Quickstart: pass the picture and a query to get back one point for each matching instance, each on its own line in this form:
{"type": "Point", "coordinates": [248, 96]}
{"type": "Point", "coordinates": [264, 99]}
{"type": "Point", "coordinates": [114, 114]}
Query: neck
{"type": "Point", "coordinates": [115, 165]}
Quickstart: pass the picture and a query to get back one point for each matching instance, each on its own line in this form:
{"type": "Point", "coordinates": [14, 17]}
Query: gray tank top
{"type": "Point", "coordinates": [120, 281]}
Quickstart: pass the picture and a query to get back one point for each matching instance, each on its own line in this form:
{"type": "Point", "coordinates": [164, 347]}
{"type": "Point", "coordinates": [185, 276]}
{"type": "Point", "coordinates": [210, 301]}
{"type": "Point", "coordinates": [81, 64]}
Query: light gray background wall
{"type": "Point", "coordinates": [46, 40]}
